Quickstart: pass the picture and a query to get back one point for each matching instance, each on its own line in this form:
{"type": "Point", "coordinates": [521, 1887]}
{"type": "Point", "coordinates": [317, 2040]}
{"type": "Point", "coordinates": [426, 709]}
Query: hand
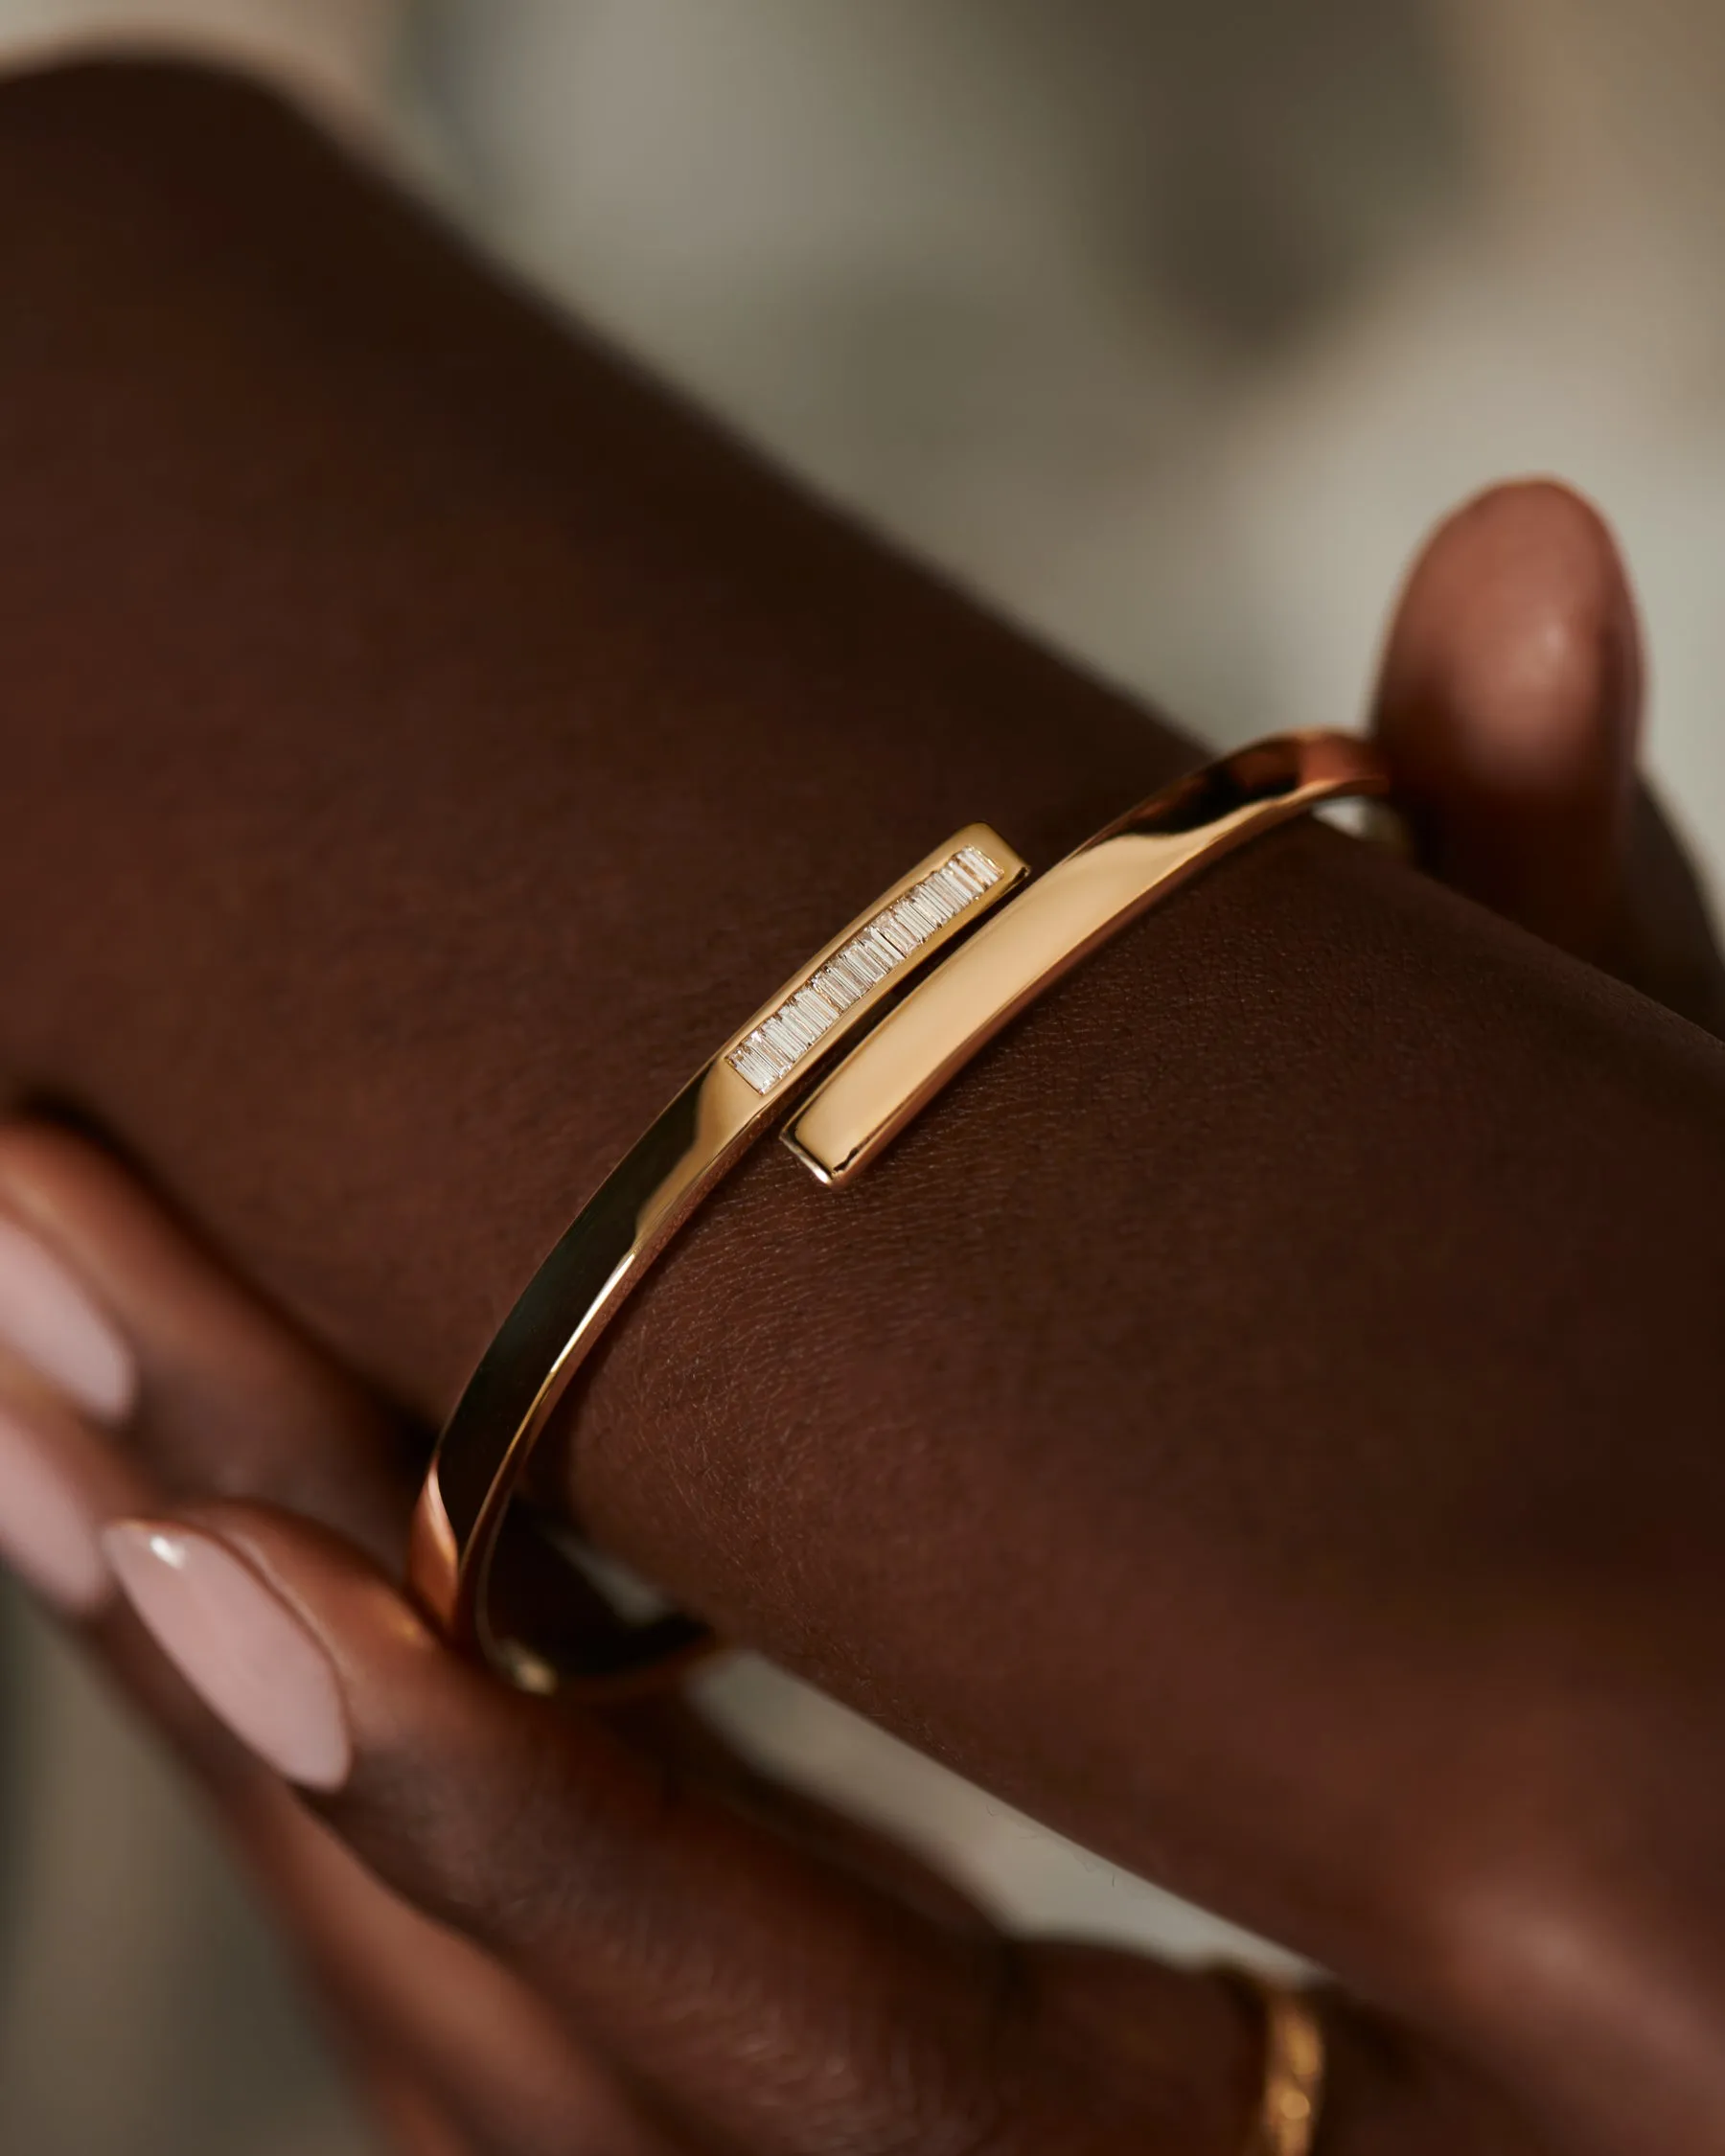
{"type": "Point", "coordinates": [566, 1931]}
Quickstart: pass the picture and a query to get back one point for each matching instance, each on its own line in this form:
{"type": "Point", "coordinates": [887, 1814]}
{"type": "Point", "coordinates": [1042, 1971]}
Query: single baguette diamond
{"type": "Point", "coordinates": [750, 1063]}
{"type": "Point", "coordinates": [923, 909]}
{"type": "Point", "coordinates": [933, 896]}
{"type": "Point", "coordinates": [765, 1049]}
{"type": "Point", "coordinates": [872, 960]}
{"type": "Point", "coordinates": [813, 1009]}
{"type": "Point", "coordinates": [798, 1025]}
{"type": "Point", "coordinates": [760, 1050]}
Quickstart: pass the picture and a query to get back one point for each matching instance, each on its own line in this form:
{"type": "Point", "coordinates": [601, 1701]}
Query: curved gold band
{"type": "Point", "coordinates": [603, 1256]}
{"type": "Point", "coordinates": [1296, 2061]}
{"type": "Point", "coordinates": [1026, 940]}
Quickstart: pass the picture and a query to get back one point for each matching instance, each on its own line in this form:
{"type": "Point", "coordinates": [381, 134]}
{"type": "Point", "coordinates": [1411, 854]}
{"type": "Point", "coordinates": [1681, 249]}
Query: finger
{"type": "Point", "coordinates": [62, 1483]}
{"type": "Point", "coordinates": [418, 2006]}
{"type": "Point", "coordinates": [410, 2122]}
{"type": "Point", "coordinates": [117, 1305]}
{"type": "Point", "coordinates": [766, 1996]}
{"type": "Point", "coordinates": [769, 1999]}
{"type": "Point", "coordinates": [59, 1484]}
{"type": "Point", "coordinates": [1509, 705]}
{"type": "Point", "coordinates": [467, 2048]}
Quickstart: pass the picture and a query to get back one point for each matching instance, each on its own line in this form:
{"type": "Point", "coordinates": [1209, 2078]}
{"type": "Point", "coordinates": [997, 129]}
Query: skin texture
{"type": "Point", "coordinates": [1296, 1340]}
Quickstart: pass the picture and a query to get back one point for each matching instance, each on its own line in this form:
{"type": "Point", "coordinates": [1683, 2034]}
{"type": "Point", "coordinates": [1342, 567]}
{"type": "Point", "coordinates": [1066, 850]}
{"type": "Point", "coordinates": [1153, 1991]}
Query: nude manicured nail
{"type": "Point", "coordinates": [238, 1646]}
{"type": "Point", "coordinates": [49, 1535]}
{"type": "Point", "coordinates": [50, 1321]}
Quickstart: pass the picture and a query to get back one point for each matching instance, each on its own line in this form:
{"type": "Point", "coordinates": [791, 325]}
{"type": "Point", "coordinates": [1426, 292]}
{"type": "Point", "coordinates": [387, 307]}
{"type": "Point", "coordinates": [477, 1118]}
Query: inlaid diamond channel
{"type": "Point", "coordinates": [779, 1042]}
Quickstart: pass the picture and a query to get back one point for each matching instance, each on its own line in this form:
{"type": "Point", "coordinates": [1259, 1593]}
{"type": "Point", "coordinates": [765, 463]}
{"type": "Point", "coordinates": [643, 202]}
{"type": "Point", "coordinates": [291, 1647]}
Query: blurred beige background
{"type": "Point", "coordinates": [1170, 326]}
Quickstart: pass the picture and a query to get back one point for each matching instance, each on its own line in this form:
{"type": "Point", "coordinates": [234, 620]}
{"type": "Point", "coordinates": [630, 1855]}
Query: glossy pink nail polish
{"type": "Point", "coordinates": [49, 1534]}
{"type": "Point", "coordinates": [49, 1320]}
{"type": "Point", "coordinates": [239, 1647]}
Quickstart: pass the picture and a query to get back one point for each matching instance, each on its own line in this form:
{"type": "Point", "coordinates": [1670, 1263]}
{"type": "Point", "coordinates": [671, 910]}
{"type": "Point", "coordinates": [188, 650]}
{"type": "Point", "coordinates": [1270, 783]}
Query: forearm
{"type": "Point", "coordinates": [407, 670]}
{"type": "Point", "coordinates": [422, 744]}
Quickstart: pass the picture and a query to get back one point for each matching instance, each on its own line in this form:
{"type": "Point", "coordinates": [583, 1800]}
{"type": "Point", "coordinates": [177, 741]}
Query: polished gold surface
{"type": "Point", "coordinates": [1065, 913]}
{"type": "Point", "coordinates": [1295, 2062]}
{"type": "Point", "coordinates": [765, 1065]}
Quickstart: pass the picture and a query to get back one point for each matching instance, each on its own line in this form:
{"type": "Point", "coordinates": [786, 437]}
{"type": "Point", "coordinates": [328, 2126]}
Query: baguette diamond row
{"type": "Point", "coordinates": [780, 1042]}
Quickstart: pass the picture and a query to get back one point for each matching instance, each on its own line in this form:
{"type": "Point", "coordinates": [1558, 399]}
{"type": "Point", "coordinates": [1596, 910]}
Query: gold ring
{"type": "Point", "coordinates": [1295, 2062]}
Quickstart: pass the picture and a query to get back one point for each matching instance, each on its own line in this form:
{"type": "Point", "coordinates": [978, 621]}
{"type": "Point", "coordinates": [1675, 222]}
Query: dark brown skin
{"type": "Point", "coordinates": [1304, 1490]}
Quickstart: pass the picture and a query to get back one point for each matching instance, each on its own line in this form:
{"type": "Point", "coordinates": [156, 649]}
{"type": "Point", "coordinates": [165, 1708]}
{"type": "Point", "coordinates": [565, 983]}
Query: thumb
{"type": "Point", "coordinates": [1509, 705]}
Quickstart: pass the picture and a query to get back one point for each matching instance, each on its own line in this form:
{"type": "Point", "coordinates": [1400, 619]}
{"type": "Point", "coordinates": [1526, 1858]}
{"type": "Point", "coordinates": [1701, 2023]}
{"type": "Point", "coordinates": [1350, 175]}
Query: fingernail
{"type": "Point", "coordinates": [47, 1533]}
{"type": "Point", "coordinates": [238, 1646]}
{"type": "Point", "coordinates": [48, 1319]}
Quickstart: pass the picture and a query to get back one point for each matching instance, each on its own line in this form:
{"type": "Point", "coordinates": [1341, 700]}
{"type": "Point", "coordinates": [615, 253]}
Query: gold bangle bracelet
{"type": "Point", "coordinates": [947, 997]}
{"type": "Point", "coordinates": [726, 1107]}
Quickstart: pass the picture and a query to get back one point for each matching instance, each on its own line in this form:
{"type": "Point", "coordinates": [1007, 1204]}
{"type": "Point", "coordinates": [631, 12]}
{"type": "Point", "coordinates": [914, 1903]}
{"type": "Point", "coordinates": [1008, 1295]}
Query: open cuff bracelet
{"type": "Point", "coordinates": [841, 1059]}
